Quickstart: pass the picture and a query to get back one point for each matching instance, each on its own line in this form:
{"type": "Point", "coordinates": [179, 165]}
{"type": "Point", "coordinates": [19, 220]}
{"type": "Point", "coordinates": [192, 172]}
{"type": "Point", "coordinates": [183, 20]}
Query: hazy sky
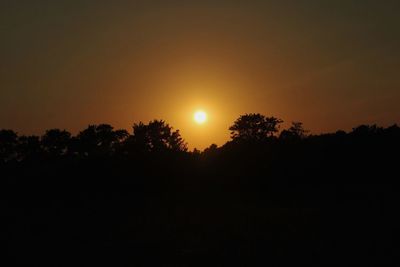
{"type": "Point", "coordinates": [330, 64]}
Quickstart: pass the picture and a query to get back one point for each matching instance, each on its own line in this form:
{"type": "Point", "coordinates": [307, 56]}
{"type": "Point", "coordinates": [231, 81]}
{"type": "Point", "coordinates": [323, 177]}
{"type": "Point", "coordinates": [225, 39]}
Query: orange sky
{"type": "Point", "coordinates": [66, 64]}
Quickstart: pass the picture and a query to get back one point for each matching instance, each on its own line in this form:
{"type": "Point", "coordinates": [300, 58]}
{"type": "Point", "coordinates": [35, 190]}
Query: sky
{"type": "Point", "coordinates": [329, 64]}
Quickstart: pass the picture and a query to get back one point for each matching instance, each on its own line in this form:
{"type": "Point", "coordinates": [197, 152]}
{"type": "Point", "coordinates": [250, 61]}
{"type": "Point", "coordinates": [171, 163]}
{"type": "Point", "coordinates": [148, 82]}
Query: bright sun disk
{"type": "Point", "coordinates": [200, 117]}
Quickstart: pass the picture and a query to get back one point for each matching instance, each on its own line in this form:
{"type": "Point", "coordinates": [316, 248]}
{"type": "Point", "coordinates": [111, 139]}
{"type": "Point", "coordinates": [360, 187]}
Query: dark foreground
{"type": "Point", "coordinates": [328, 200]}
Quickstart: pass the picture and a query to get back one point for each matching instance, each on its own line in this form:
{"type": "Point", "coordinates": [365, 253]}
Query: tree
{"type": "Point", "coordinates": [99, 139]}
{"type": "Point", "coordinates": [212, 149]}
{"type": "Point", "coordinates": [156, 136]}
{"type": "Point", "coordinates": [8, 143]}
{"type": "Point", "coordinates": [55, 142]}
{"type": "Point", "coordinates": [296, 131]}
{"type": "Point", "coordinates": [196, 152]}
{"type": "Point", "coordinates": [366, 130]}
{"type": "Point", "coordinates": [254, 126]}
{"type": "Point", "coordinates": [28, 147]}
{"type": "Point", "coordinates": [176, 142]}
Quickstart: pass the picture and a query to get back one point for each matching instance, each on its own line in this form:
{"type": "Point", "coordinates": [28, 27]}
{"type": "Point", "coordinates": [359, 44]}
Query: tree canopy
{"type": "Point", "coordinates": [254, 126]}
{"type": "Point", "coordinates": [157, 135]}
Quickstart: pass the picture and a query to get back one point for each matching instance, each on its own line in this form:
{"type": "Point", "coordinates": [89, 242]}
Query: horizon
{"type": "Point", "coordinates": [280, 129]}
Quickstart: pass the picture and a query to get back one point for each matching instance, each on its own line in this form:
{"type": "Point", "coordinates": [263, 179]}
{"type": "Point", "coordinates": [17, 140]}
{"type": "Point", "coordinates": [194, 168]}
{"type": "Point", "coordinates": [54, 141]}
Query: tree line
{"type": "Point", "coordinates": [158, 137]}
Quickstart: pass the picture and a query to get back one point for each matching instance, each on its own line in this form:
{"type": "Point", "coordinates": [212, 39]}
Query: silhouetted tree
{"type": "Point", "coordinates": [196, 152]}
{"type": "Point", "coordinates": [212, 149]}
{"type": "Point", "coordinates": [156, 136]}
{"type": "Point", "coordinates": [176, 142]}
{"type": "Point", "coordinates": [28, 147]}
{"type": "Point", "coordinates": [366, 130]}
{"type": "Point", "coordinates": [254, 126]}
{"type": "Point", "coordinates": [99, 140]}
{"type": "Point", "coordinates": [55, 142]}
{"type": "Point", "coordinates": [393, 131]}
{"type": "Point", "coordinates": [296, 131]}
{"type": "Point", "coordinates": [8, 143]}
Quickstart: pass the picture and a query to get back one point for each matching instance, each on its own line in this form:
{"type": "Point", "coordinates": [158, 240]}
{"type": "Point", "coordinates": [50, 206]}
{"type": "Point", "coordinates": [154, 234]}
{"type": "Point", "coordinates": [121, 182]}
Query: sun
{"type": "Point", "coordinates": [200, 117]}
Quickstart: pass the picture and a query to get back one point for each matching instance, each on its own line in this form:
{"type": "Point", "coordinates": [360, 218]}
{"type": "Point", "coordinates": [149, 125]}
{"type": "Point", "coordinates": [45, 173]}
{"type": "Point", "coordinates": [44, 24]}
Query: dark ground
{"type": "Point", "coordinates": [328, 200]}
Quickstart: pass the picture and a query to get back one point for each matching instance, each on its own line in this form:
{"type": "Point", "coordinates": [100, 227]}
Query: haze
{"type": "Point", "coordinates": [329, 64]}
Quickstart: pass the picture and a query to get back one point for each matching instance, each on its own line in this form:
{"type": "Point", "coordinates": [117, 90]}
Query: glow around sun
{"type": "Point", "coordinates": [200, 117]}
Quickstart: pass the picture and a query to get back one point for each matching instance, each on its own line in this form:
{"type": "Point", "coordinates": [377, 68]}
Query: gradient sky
{"type": "Point", "coordinates": [330, 64]}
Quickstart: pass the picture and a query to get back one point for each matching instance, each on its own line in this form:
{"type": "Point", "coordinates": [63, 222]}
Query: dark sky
{"type": "Point", "coordinates": [330, 64]}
